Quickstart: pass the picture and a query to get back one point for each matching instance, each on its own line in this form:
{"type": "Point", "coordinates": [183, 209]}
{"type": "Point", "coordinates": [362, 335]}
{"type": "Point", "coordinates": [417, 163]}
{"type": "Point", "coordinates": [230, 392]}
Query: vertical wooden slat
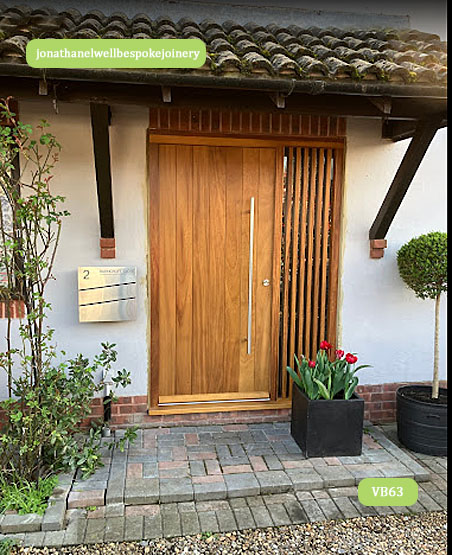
{"type": "Point", "coordinates": [184, 268]}
{"type": "Point", "coordinates": [317, 251]}
{"type": "Point", "coordinates": [325, 241]}
{"type": "Point", "coordinates": [309, 256]}
{"type": "Point", "coordinates": [302, 263]}
{"type": "Point", "coordinates": [167, 261]}
{"type": "Point", "coordinates": [335, 237]}
{"type": "Point", "coordinates": [276, 277]}
{"type": "Point", "coordinates": [287, 246]}
{"type": "Point", "coordinates": [295, 257]}
{"type": "Point", "coordinates": [154, 235]}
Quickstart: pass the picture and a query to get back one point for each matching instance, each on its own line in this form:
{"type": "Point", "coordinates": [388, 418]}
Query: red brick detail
{"type": "Point", "coordinates": [107, 242]}
{"type": "Point", "coordinates": [16, 309]}
{"type": "Point", "coordinates": [107, 253]}
{"type": "Point", "coordinates": [377, 247]}
{"type": "Point", "coordinates": [169, 465]}
{"type": "Point", "coordinates": [258, 464]}
{"type": "Point", "coordinates": [380, 405]}
{"type": "Point", "coordinates": [237, 469]}
{"type": "Point", "coordinates": [380, 399]}
{"type": "Point", "coordinates": [378, 243]}
{"type": "Point", "coordinates": [376, 253]}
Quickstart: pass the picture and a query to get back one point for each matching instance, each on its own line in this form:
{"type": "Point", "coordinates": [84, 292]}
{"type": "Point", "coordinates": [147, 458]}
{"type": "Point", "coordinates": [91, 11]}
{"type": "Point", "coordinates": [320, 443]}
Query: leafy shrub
{"type": "Point", "coordinates": [325, 379]}
{"type": "Point", "coordinates": [26, 497]}
{"type": "Point", "coordinates": [422, 264]}
{"type": "Point", "coordinates": [42, 435]}
{"type": "Point", "coordinates": [47, 400]}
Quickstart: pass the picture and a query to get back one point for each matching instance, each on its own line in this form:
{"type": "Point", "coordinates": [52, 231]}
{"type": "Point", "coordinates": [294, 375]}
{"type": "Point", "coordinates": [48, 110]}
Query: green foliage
{"type": "Point", "coordinates": [26, 497]}
{"type": "Point", "coordinates": [41, 433]}
{"type": "Point", "coordinates": [48, 399]}
{"type": "Point", "coordinates": [6, 546]}
{"type": "Point", "coordinates": [422, 264]}
{"type": "Point", "coordinates": [325, 379]}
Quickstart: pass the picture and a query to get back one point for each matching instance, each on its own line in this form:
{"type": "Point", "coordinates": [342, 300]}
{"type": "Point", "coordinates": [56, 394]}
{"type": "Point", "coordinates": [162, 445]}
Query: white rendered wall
{"type": "Point", "coordinates": [379, 317]}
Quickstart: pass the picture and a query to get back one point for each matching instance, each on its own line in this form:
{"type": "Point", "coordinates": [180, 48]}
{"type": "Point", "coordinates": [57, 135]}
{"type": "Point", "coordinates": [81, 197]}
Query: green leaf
{"type": "Point", "coordinates": [323, 390]}
{"type": "Point", "coordinates": [351, 388]}
{"type": "Point", "coordinates": [295, 377]}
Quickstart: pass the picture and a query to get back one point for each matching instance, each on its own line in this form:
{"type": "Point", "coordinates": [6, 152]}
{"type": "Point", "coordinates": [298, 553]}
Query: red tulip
{"type": "Point", "coordinates": [324, 345]}
{"type": "Point", "coordinates": [339, 353]}
{"type": "Point", "coordinates": [311, 364]}
{"type": "Point", "coordinates": [351, 359]}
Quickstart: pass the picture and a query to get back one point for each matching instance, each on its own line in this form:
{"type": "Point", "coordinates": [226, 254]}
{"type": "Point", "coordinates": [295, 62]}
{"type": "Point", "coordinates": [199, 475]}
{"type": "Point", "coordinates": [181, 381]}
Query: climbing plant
{"type": "Point", "coordinates": [47, 397]}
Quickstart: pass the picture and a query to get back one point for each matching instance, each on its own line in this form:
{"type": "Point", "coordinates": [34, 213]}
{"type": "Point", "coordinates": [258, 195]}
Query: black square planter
{"type": "Point", "coordinates": [325, 428]}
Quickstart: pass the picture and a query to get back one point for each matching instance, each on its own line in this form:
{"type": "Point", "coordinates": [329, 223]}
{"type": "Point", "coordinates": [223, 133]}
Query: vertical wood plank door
{"type": "Point", "coordinates": [211, 325]}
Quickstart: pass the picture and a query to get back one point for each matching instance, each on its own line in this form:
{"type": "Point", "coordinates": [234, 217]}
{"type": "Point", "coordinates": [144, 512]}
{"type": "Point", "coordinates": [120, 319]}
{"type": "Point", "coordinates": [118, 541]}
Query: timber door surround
{"type": "Point", "coordinates": [212, 224]}
{"type": "Point", "coordinates": [232, 299]}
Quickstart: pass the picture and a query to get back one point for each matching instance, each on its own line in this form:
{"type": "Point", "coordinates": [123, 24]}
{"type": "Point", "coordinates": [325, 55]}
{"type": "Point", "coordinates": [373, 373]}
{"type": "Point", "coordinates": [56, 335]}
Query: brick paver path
{"type": "Point", "coordinates": [190, 480]}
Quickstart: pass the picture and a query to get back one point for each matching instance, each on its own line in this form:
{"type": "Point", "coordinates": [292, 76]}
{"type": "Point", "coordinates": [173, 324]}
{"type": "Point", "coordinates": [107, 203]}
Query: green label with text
{"type": "Point", "coordinates": [381, 492]}
{"type": "Point", "coordinates": [116, 53]}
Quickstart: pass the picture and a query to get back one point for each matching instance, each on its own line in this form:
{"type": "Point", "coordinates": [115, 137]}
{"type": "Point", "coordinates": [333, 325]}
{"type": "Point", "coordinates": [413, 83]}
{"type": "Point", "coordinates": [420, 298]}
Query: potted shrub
{"type": "Point", "coordinates": [422, 410]}
{"type": "Point", "coordinates": [327, 414]}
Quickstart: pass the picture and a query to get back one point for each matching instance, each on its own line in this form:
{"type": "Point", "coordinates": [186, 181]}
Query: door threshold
{"type": "Point", "coordinates": [193, 408]}
{"type": "Point", "coordinates": [229, 397]}
{"type": "Point", "coordinates": [217, 401]}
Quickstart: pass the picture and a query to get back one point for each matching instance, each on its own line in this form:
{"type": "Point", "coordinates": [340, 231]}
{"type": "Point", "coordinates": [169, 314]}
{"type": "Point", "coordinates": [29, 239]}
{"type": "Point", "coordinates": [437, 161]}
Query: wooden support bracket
{"type": "Point", "coordinates": [43, 89]}
{"type": "Point", "coordinates": [100, 121]}
{"type": "Point", "coordinates": [423, 136]}
{"type": "Point", "coordinates": [166, 94]}
{"type": "Point", "coordinates": [278, 99]}
{"type": "Point", "coordinates": [384, 104]}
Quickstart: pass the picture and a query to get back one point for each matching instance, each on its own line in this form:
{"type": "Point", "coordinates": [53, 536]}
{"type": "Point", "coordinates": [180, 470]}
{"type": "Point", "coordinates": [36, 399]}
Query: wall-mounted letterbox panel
{"type": "Point", "coordinates": [107, 294]}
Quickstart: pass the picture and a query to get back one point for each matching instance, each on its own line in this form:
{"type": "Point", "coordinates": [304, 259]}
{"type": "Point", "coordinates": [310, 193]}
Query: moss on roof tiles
{"type": "Point", "coordinates": [397, 55]}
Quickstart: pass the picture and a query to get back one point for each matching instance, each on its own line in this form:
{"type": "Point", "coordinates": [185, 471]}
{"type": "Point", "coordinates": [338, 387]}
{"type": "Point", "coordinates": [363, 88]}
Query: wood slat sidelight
{"type": "Point", "coordinates": [311, 208]}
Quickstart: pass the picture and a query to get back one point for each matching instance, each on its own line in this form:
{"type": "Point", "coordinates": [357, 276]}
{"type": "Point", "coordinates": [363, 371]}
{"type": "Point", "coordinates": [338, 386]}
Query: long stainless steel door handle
{"type": "Point", "coordinates": [250, 276]}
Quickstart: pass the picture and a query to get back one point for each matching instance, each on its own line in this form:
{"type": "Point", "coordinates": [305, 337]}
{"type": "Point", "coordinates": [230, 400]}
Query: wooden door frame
{"type": "Point", "coordinates": [153, 142]}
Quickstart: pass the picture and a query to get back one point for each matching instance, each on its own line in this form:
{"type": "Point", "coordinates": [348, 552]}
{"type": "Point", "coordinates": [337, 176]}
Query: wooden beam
{"type": "Point", "coordinates": [151, 96]}
{"type": "Point", "coordinates": [100, 121]}
{"type": "Point", "coordinates": [425, 131]}
{"type": "Point", "coordinates": [400, 130]}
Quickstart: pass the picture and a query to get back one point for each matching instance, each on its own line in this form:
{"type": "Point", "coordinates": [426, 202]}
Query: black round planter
{"type": "Point", "coordinates": [421, 426]}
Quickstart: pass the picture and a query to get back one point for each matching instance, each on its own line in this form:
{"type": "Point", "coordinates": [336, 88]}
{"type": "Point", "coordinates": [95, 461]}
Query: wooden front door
{"type": "Point", "coordinates": [212, 211]}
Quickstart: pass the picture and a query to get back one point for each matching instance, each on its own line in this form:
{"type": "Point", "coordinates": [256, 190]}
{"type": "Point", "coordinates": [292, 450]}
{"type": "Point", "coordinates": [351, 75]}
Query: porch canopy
{"type": "Point", "coordinates": [398, 76]}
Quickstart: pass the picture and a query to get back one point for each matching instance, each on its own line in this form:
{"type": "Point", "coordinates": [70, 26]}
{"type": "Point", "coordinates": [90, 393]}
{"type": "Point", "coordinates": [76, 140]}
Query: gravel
{"type": "Point", "coordinates": [401, 534]}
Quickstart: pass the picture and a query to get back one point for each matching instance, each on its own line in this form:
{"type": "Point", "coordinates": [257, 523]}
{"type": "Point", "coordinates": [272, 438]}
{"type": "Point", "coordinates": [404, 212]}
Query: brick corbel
{"type": "Point", "coordinates": [107, 247]}
{"type": "Point", "coordinates": [377, 247]}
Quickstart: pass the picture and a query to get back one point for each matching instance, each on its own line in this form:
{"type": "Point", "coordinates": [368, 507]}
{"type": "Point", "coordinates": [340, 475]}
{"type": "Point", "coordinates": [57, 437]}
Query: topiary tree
{"type": "Point", "coordinates": [422, 264]}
